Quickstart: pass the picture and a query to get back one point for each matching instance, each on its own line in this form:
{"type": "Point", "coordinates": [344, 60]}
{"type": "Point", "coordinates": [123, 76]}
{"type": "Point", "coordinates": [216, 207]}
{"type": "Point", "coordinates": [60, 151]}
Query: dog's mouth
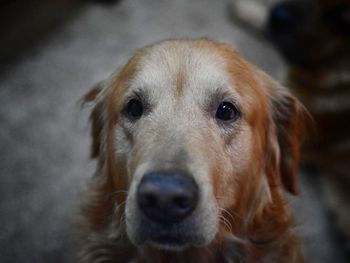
{"type": "Point", "coordinates": [172, 238]}
{"type": "Point", "coordinates": [168, 242]}
{"type": "Point", "coordinates": [165, 238]}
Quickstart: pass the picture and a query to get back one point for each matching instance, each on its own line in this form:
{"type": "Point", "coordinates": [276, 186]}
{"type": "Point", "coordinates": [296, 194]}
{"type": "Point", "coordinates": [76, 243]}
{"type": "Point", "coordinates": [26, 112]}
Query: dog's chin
{"type": "Point", "coordinates": [168, 243]}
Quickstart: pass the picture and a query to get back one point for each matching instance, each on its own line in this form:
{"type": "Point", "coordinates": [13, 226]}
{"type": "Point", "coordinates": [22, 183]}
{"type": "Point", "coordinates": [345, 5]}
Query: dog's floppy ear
{"type": "Point", "coordinates": [289, 116]}
{"type": "Point", "coordinates": [96, 118]}
{"type": "Point", "coordinates": [289, 121]}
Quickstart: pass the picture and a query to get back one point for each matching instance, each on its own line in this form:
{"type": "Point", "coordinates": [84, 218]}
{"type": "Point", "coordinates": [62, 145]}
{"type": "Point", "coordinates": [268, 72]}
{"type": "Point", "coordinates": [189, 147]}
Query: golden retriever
{"type": "Point", "coordinates": [196, 148]}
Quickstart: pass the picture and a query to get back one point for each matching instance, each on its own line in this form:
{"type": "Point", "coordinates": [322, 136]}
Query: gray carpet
{"type": "Point", "coordinates": [44, 137]}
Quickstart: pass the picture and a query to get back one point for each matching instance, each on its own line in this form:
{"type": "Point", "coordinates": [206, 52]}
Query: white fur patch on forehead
{"type": "Point", "coordinates": [171, 66]}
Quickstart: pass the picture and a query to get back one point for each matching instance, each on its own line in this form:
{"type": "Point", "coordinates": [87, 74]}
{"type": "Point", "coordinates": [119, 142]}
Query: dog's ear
{"type": "Point", "coordinates": [289, 116]}
{"type": "Point", "coordinates": [96, 118]}
{"type": "Point", "coordinates": [289, 121]}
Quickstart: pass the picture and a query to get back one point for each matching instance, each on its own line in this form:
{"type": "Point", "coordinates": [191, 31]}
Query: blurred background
{"type": "Point", "coordinates": [53, 51]}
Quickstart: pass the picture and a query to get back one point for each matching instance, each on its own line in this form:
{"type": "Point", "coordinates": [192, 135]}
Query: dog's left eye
{"type": "Point", "coordinates": [227, 112]}
{"type": "Point", "coordinates": [134, 109]}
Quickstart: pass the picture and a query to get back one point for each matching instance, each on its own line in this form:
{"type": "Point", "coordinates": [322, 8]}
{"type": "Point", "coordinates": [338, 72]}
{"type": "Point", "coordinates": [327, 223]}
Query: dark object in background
{"type": "Point", "coordinates": [106, 1]}
{"type": "Point", "coordinates": [24, 23]}
{"type": "Point", "coordinates": [314, 37]}
{"type": "Point", "coordinates": [309, 33]}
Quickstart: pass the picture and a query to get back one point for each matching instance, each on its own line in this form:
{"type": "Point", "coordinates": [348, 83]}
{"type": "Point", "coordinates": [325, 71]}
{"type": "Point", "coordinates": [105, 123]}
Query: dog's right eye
{"type": "Point", "coordinates": [134, 109]}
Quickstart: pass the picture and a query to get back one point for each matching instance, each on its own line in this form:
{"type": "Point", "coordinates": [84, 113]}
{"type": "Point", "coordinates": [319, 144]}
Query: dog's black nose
{"type": "Point", "coordinates": [284, 18]}
{"type": "Point", "coordinates": [167, 197]}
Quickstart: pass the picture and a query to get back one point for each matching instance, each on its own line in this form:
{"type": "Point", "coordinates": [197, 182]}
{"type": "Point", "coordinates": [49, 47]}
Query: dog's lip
{"type": "Point", "coordinates": [168, 241]}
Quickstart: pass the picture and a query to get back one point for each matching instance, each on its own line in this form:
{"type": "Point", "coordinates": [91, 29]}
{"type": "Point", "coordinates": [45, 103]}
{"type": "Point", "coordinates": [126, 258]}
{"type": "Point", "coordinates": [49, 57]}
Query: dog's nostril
{"type": "Point", "coordinates": [167, 197]}
{"type": "Point", "coordinates": [149, 200]}
{"type": "Point", "coordinates": [182, 202]}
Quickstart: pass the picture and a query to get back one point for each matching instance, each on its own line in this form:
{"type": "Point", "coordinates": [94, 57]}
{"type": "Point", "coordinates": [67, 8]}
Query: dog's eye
{"type": "Point", "coordinates": [134, 109]}
{"type": "Point", "coordinates": [227, 112]}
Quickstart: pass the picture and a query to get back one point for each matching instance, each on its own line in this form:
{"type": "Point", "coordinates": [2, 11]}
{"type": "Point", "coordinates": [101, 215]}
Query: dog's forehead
{"type": "Point", "coordinates": [181, 67]}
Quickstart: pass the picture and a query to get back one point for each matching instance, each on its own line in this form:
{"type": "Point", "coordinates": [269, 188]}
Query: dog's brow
{"type": "Point", "coordinates": [221, 93]}
{"type": "Point", "coordinates": [139, 92]}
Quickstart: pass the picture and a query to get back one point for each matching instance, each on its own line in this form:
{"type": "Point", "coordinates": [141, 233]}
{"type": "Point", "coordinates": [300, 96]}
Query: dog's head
{"type": "Point", "coordinates": [191, 137]}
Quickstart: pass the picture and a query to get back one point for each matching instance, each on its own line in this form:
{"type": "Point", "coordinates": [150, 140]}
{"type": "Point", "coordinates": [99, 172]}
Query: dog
{"type": "Point", "coordinates": [196, 151]}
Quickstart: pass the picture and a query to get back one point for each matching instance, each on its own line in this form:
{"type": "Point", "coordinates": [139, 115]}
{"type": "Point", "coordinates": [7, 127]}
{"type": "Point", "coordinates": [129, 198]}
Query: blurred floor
{"type": "Point", "coordinates": [44, 137]}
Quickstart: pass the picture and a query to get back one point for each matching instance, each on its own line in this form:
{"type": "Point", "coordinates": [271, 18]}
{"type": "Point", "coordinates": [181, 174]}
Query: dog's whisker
{"type": "Point", "coordinates": [119, 192]}
{"type": "Point", "coordinates": [121, 219]}
{"type": "Point", "coordinates": [226, 223]}
{"type": "Point", "coordinates": [227, 212]}
{"type": "Point", "coordinates": [118, 207]}
{"type": "Point", "coordinates": [233, 215]}
{"type": "Point", "coordinates": [238, 240]}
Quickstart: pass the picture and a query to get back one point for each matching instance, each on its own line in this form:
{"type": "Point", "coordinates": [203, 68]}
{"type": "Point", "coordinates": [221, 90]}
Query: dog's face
{"type": "Point", "coordinates": [190, 130]}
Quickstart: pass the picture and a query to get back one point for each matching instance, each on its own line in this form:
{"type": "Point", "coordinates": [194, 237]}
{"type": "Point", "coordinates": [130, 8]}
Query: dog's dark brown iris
{"type": "Point", "coordinates": [227, 111]}
{"type": "Point", "coordinates": [134, 109]}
